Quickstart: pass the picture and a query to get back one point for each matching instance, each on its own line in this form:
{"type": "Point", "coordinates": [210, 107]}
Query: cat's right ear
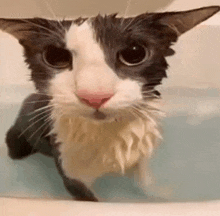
{"type": "Point", "coordinates": [19, 28]}
{"type": "Point", "coordinates": [32, 32]}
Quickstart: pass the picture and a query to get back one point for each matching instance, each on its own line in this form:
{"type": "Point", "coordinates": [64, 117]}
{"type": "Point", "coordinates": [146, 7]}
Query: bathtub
{"type": "Point", "coordinates": [184, 168]}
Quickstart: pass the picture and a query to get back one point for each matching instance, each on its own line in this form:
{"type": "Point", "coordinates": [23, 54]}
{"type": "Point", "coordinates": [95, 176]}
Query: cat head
{"type": "Point", "coordinates": [102, 64]}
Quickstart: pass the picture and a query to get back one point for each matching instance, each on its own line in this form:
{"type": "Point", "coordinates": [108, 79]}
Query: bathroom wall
{"type": "Point", "coordinates": [69, 8]}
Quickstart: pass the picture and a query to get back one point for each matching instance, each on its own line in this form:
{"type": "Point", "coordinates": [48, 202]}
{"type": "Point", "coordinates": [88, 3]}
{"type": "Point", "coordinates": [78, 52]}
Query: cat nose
{"type": "Point", "coordinates": [94, 100]}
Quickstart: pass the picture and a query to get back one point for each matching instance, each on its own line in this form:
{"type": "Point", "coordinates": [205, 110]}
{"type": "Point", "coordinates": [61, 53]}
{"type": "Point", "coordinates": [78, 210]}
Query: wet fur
{"type": "Point", "coordinates": [86, 144]}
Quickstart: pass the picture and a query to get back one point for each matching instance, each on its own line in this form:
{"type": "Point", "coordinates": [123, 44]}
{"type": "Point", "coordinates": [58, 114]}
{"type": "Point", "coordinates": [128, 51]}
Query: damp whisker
{"type": "Point", "coordinates": [31, 125]}
{"type": "Point", "coordinates": [38, 139]}
{"type": "Point", "coordinates": [41, 108]}
{"type": "Point", "coordinates": [39, 114]}
{"type": "Point", "coordinates": [43, 27]}
{"type": "Point", "coordinates": [46, 120]}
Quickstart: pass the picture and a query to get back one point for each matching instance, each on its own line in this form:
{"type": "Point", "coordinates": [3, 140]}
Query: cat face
{"type": "Point", "coordinates": [100, 67]}
{"type": "Point", "coordinates": [109, 66]}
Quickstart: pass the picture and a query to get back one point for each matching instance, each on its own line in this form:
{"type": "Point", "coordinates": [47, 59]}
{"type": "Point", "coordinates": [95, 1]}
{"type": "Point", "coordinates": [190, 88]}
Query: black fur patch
{"type": "Point", "coordinates": [44, 34]}
{"type": "Point", "coordinates": [115, 34]}
{"type": "Point", "coordinates": [35, 35]}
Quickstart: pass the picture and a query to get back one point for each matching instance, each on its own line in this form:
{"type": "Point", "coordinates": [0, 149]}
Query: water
{"type": "Point", "coordinates": [185, 167]}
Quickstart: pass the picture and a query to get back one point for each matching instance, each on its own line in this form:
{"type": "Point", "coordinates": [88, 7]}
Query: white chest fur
{"type": "Point", "coordinates": [88, 150]}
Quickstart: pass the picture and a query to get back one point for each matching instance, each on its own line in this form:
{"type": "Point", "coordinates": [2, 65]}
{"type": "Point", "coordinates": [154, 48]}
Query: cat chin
{"type": "Point", "coordinates": [97, 116]}
{"type": "Point", "coordinates": [105, 116]}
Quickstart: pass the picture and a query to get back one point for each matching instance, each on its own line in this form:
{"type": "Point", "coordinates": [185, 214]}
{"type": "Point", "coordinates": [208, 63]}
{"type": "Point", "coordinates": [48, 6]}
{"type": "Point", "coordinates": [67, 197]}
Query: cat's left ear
{"type": "Point", "coordinates": [183, 21]}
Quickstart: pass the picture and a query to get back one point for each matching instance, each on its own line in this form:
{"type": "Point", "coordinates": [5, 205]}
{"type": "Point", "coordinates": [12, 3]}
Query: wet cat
{"type": "Point", "coordinates": [95, 109]}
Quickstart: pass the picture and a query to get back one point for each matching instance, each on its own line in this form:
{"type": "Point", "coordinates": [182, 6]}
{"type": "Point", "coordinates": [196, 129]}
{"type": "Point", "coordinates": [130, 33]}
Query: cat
{"type": "Point", "coordinates": [95, 110]}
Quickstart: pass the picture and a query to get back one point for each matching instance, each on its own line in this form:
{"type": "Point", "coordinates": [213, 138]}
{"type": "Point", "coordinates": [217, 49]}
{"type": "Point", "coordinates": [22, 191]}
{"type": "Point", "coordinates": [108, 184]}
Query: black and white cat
{"type": "Point", "coordinates": [95, 109]}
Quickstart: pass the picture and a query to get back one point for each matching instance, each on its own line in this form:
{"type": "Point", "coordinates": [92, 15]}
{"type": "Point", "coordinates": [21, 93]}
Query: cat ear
{"type": "Point", "coordinates": [183, 21]}
{"type": "Point", "coordinates": [23, 29]}
{"type": "Point", "coordinates": [16, 27]}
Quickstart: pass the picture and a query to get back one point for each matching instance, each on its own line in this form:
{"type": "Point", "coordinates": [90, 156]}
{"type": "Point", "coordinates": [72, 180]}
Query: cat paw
{"type": "Point", "coordinates": [18, 147]}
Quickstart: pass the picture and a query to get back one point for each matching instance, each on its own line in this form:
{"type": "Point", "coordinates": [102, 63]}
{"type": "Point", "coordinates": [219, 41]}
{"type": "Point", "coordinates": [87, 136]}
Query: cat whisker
{"type": "Point", "coordinates": [151, 110]}
{"type": "Point", "coordinates": [39, 114]}
{"type": "Point", "coordinates": [60, 100]}
{"type": "Point", "coordinates": [151, 97]}
{"type": "Point", "coordinates": [41, 80]}
{"type": "Point", "coordinates": [147, 106]}
{"type": "Point", "coordinates": [34, 123]}
{"type": "Point", "coordinates": [150, 94]}
{"type": "Point", "coordinates": [137, 113]}
{"type": "Point", "coordinates": [35, 111]}
{"type": "Point", "coordinates": [52, 96]}
{"type": "Point", "coordinates": [131, 111]}
{"type": "Point", "coordinates": [147, 110]}
{"type": "Point", "coordinates": [46, 120]}
{"type": "Point", "coordinates": [40, 109]}
{"type": "Point", "coordinates": [43, 27]}
{"type": "Point", "coordinates": [54, 15]}
{"type": "Point", "coordinates": [41, 93]}
{"type": "Point", "coordinates": [38, 139]}
{"type": "Point", "coordinates": [126, 11]}
{"type": "Point", "coordinates": [39, 33]}
{"type": "Point", "coordinates": [144, 115]}
{"type": "Point", "coordinates": [46, 94]}
{"type": "Point", "coordinates": [71, 105]}
{"type": "Point", "coordinates": [38, 101]}
{"type": "Point", "coordinates": [59, 113]}
{"type": "Point", "coordinates": [149, 102]}
{"type": "Point", "coordinates": [129, 23]}
{"type": "Point", "coordinates": [148, 91]}
{"type": "Point", "coordinates": [144, 107]}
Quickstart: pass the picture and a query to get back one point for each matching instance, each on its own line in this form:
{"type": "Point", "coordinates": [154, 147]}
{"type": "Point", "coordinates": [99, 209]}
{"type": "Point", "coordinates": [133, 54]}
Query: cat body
{"type": "Point", "coordinates": [96, 107]}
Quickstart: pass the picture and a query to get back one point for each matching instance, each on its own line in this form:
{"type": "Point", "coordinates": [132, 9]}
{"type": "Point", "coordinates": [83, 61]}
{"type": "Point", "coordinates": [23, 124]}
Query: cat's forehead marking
{"type": "Point", "coordinates": [89, 66]}
{"type": "Point", "coordinates": [81, 41]}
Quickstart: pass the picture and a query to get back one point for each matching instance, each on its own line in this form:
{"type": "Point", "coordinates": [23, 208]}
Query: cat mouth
{"type": "Point", "coordinates": [99, 115]}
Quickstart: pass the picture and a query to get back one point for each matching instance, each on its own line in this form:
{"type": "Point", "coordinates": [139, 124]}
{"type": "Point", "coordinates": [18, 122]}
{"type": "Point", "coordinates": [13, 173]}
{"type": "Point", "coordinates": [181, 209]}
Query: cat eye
{"type": "Point", "coordinates": [133, 55]}
{"type": "Point", "coordinates": [57, 57]}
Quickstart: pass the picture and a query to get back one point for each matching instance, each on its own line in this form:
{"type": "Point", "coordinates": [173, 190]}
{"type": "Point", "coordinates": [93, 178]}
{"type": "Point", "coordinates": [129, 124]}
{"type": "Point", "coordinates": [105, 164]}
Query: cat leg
{"type": "Point", "coordinates": [79, 190]}
{"type": "Point", "coordinates": [147, 182]}
{"type": "Point", "coordinates": [76, 188]}
{"type": "Point", "coordinates": [17, 137]}
{"type": "Point", "coordinates": [18, 146]}
{"type": "Point", "coordinates": [142, 175]}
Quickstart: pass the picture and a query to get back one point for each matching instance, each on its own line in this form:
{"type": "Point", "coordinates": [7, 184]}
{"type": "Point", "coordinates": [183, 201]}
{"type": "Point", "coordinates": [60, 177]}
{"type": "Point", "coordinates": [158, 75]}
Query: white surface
{"type": "Point", "coordinates": [187, 164]}
{"type": "Point", "coordinates": [24, 207]}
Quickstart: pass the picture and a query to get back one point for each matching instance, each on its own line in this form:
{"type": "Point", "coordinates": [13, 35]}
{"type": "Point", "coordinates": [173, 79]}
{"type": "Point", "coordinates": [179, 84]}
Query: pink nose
{"type": "Point", "coordinates": [94, 100]}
